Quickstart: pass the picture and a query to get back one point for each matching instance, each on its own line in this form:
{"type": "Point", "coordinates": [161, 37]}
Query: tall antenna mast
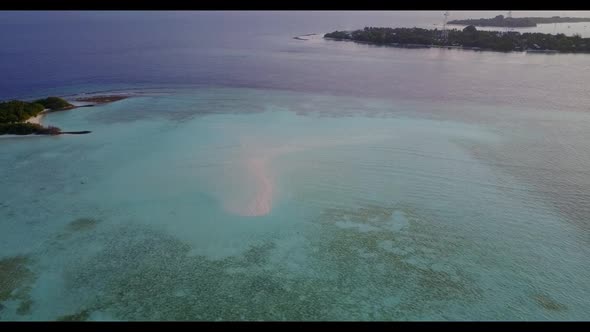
{"type": "Point", "coordinates": [509, 28]}
{"type": "Point", "coordinates": [445, 33]}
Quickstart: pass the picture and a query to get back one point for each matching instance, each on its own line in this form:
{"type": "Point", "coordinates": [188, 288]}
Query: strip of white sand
{"type": "Point", "coordinates": [37, 119]}
{"type": "Point", "coordinates": [256, 199]}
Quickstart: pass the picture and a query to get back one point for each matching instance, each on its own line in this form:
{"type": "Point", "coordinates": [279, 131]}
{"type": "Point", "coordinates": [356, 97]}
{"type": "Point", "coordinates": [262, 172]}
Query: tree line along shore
{"type": "Point", "coordinates": [469, 38]}
{"type": "Point", "coordinates": [16, 114]}
{"type": "Point", "coordinates": [518, 22]}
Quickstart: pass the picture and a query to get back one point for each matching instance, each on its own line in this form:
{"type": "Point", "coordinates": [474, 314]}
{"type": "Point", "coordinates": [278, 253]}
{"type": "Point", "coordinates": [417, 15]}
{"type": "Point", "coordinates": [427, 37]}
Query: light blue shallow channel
{"type": "Point", "coordinates": [244, 204]}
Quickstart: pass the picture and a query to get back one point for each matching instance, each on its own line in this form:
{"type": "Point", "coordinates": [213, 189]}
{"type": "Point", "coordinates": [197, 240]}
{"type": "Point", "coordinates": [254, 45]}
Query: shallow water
{"type": "Point", "coordinates": [252, 176]}
{"type": "Point", "coordinates": [256, 204]}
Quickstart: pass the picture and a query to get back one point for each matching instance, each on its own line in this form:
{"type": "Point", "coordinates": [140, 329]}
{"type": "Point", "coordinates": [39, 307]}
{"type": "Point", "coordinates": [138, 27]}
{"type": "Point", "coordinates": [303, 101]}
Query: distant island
{"type": "Point", "coordinates": [102, 99]}
{"type": "Point", "coordinates": [309, 34]}
{"type": "Point", "coordinates": [23, 118]}
{"type": "Point", "coordinates": [518, 22]}
{"type": "Point", "coordinates": [468, 38]}
{"type": "Point", "coordinates": [15, 116]}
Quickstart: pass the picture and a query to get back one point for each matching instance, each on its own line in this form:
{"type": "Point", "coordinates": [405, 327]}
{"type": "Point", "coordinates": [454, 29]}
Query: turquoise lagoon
{"type": "Point", "coordinates": [253, 204]}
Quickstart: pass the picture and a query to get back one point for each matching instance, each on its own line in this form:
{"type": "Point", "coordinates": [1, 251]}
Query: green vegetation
{"type": "Point", "coordinates": [24, 128]}
{"type": "Point", "coordinates": [13, 115]}
{"type": "Point", "coordinates": [54, 103]}
{"type": "Point", "coordinates": [518, 22]}
{"type": "Point", "coordinates": [469, 37]}
{"type": "Point", "coordinates": [18, 111]}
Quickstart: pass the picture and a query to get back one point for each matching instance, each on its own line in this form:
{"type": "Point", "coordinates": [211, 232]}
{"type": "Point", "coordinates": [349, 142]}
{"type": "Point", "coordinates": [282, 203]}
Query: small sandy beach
{"type": "Point", "coordinates": [37, 119]}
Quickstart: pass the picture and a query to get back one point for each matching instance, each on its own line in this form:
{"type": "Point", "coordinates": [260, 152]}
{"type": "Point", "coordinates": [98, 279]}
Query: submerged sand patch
{"type": "Point", "coordinates": [548, 303]}
{"type": "Point", "coordinates": [82, 224]}
{"type": "Point", "coordinates": [258, 201]}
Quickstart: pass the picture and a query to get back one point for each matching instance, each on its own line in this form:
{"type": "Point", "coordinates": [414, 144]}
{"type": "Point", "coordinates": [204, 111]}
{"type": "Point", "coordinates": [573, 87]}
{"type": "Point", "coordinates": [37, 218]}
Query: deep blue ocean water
{"type": "Point", "coordinates": [253, 176]}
